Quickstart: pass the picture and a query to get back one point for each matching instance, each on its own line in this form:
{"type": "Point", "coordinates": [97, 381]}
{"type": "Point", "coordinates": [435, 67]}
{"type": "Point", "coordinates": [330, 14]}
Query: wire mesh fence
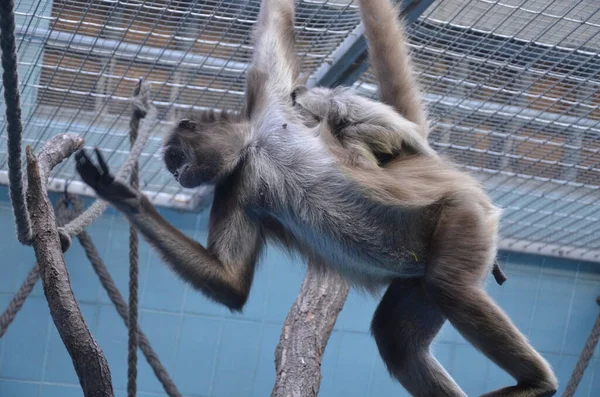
{"type": "Point", "coordinates": [513, 88]}
{"type": "Point", "coordinates": [79, 61]}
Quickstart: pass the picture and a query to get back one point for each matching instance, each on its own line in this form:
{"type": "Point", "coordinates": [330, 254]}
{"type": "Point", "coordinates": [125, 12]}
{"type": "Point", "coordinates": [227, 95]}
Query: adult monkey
{"type": "Point", "coordinates": [420, 227]}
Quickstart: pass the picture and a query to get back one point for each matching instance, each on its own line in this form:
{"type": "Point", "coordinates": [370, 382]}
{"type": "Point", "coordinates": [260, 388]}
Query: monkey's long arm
{"type": "Point", "coordinates": [390, 60]}
{"type": "Point", "coordinates": [223, 272]}
{"type": "Point", "coordinates": [275, 66]}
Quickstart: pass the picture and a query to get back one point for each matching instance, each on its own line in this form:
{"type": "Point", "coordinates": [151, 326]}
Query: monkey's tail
{"type": "Point", "coordinates": [494, 220]}
{"type": "Point", "coordinates": [497, 272]}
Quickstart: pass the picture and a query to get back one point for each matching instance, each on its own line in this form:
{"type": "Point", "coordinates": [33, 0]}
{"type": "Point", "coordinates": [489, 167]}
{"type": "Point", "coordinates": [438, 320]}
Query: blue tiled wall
{"type": "Point", "coordinates": [211, 352]}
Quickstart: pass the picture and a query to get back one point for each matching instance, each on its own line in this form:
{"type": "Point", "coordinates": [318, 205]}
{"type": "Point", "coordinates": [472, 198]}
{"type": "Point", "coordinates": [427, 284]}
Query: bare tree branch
{"type": "Point", "coordinates": [55, 151]}
{"type": "Point", "coordinates": [305, 334]}
{"type": "Point", "coordinates": [88, 359]}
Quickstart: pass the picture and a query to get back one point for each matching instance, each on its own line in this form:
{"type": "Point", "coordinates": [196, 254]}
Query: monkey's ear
{"type": "Point", "coordinates": [187, 124]}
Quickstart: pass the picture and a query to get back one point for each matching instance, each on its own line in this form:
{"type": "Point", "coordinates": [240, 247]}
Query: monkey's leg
{"type": "Point", "coordinates": [454, 280]}
{"type": "Point", "coordinates": [486, 326]}
{"type": "Point", "coordinates": [405, 323]}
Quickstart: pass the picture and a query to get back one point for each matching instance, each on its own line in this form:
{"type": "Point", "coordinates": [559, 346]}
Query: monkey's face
{"type": "Point", "coordinates": [186, 169]}
{"type": "Point", "coordinates": [199, 154]}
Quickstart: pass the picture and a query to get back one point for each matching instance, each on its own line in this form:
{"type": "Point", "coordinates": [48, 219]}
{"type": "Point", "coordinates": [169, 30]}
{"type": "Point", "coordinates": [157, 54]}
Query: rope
{"type": "Point", "coordinates": [19, 299]}
{"type": "Point", "coordinates": [95, 210]}
{"type": "Point", "coordinates": [14, 127]}
{"type": "Point", "coordinates": [10, 79]}
{"type": "Point", "coordinates": [76, 227]}
{"type": "Point", "coordinates": [17, 302]}
{"type": "Point", "coordinates": [115, 296]}
{"type": "Point", "coordinates": [140, 105]}
{"type": "Point", "coordinates": [584, 359]}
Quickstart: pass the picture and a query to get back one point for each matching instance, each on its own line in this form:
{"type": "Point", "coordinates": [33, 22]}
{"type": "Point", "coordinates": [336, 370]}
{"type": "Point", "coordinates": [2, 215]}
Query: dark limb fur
{"type": "Point", "coordinates": [454, 282]}
{"type": "Point", "coordinates": [223, 272]}
{"type": "Point", "coordinates": [404, 325]}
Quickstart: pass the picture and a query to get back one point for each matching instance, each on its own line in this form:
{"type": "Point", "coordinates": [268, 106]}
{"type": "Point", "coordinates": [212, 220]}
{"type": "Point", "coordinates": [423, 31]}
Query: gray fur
{"type": "Point", "coordinates": [416, 224]}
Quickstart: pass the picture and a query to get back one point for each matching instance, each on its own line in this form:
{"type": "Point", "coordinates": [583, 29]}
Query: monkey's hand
{"type": "Point", "coordinates": [99, 178]}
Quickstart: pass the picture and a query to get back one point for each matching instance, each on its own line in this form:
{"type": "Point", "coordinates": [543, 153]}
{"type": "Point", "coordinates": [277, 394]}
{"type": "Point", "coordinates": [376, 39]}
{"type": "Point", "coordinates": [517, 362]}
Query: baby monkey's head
{"type": "Point", "coordinates": [204, 148]}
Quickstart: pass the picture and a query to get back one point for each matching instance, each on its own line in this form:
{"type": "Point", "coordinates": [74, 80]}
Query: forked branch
{"type": "Point", "coordinates": [88, 359]}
